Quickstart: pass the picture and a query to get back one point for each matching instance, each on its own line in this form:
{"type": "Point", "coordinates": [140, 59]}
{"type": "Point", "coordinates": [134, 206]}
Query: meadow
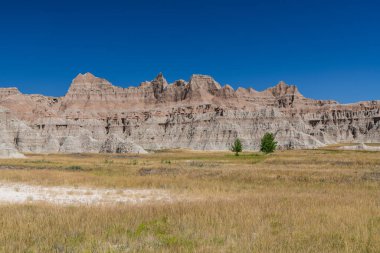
{"type": "Point", "coordinates": [324, 200]}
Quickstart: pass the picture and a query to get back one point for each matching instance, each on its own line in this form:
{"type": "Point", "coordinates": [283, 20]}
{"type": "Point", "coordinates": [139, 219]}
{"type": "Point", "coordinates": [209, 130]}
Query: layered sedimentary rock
{"type": "Point", "coordinates": [96, 116]}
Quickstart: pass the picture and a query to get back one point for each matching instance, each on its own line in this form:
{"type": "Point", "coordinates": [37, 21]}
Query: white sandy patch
{"type": "Point", "coordinates": [24, 193]}
{"type": "Point", "coordinates": [361, 146]}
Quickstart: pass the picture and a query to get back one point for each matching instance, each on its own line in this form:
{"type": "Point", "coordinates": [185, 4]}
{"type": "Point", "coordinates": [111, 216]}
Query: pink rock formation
{"type": "Point", "coordinates": [95, 116]}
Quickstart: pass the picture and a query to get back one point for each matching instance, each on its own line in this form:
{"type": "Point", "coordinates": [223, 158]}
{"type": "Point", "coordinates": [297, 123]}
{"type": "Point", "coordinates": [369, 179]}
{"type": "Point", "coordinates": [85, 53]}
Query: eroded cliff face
{"type": "Point", "coordinates": [95, 116]}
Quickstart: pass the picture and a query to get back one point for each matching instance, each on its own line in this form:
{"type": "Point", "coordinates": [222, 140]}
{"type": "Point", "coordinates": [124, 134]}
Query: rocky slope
{"type": "Point", "coordinates": [95, 116]}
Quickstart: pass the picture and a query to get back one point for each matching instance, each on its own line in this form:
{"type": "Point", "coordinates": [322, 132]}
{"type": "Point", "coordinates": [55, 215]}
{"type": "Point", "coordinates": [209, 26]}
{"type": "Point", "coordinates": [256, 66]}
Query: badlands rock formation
{"type": "Point", "coordinates": [95, 116]}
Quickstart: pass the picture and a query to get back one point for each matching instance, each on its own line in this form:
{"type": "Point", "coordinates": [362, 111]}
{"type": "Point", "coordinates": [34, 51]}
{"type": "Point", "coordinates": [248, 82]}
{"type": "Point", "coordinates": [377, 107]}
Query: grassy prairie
{"type": "Point", "coordinates": [290, 201]}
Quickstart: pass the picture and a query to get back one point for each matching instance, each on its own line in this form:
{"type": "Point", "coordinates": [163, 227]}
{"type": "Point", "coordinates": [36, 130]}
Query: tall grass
{"type": "Point", "coordinates": [292, 201]}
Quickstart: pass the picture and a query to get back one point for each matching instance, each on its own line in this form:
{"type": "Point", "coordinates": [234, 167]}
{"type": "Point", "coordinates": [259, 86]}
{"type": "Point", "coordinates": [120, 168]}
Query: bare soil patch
{"type": "Point", "coordinates": [24, 193]}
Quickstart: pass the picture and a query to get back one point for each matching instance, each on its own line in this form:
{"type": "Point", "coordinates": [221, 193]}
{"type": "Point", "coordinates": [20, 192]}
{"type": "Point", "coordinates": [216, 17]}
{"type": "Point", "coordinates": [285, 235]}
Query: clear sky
{"type": "Point", "coordinates": [330, 49]}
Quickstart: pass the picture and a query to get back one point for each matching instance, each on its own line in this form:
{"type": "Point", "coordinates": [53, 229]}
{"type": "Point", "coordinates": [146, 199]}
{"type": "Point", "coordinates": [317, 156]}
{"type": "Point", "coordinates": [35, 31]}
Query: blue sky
{"type": "Point", "coordinates": [329, 49]}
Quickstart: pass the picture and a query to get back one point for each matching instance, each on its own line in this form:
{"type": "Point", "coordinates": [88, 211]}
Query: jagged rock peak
{"type": "Point", "coordinates": [228, 87]}
{"type": "Point", "coordinates": [251, 90]}
{"type": "Point", "coordinates": [81, 77]}
{"type": "Point", "coordinates": [246, 91]}
{"type": "Point", "coordinates": [4, 92]}
{"type": "Point", "coordinates": [180, 83]}
{"type": "Point", "coordinates": [160, 80]}
{"type": "Point", "coordinates": [282, 89]}
{"type": "Point", "coordinates": [159, 85]}
{"type": "Point", "coordinates": [204, 82]}
{"type": "Point", "coordinates": [88, 81]}
{"type": "Point", "coordinates": [226, 92]}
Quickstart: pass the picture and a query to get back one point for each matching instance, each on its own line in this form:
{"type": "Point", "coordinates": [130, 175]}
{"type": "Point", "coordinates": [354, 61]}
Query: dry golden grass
{"type": "Point", "coordinates": [291, 201]}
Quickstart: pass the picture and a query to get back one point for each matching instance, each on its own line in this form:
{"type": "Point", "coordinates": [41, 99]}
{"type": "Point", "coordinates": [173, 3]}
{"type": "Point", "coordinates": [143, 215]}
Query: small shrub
{"type": "Point", "coordinates": [268, 143]}
{"type": "Point", "coordinates": [108, 161]}
{"type": "Point", "coordinates": [74, 168]}
{"type": "Point", "coordinates": [134, 162]}
{"type": "Point", "coordinates": [237, 147]}
{"type": "Point", "coordinates": [198, 164]}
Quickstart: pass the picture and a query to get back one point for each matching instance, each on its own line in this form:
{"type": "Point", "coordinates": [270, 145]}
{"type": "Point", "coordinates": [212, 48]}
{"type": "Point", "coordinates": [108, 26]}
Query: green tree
{"type": "Point", "coordinates": [237, 147]}
{"type": "Point", "coordinates": [268, 143]}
